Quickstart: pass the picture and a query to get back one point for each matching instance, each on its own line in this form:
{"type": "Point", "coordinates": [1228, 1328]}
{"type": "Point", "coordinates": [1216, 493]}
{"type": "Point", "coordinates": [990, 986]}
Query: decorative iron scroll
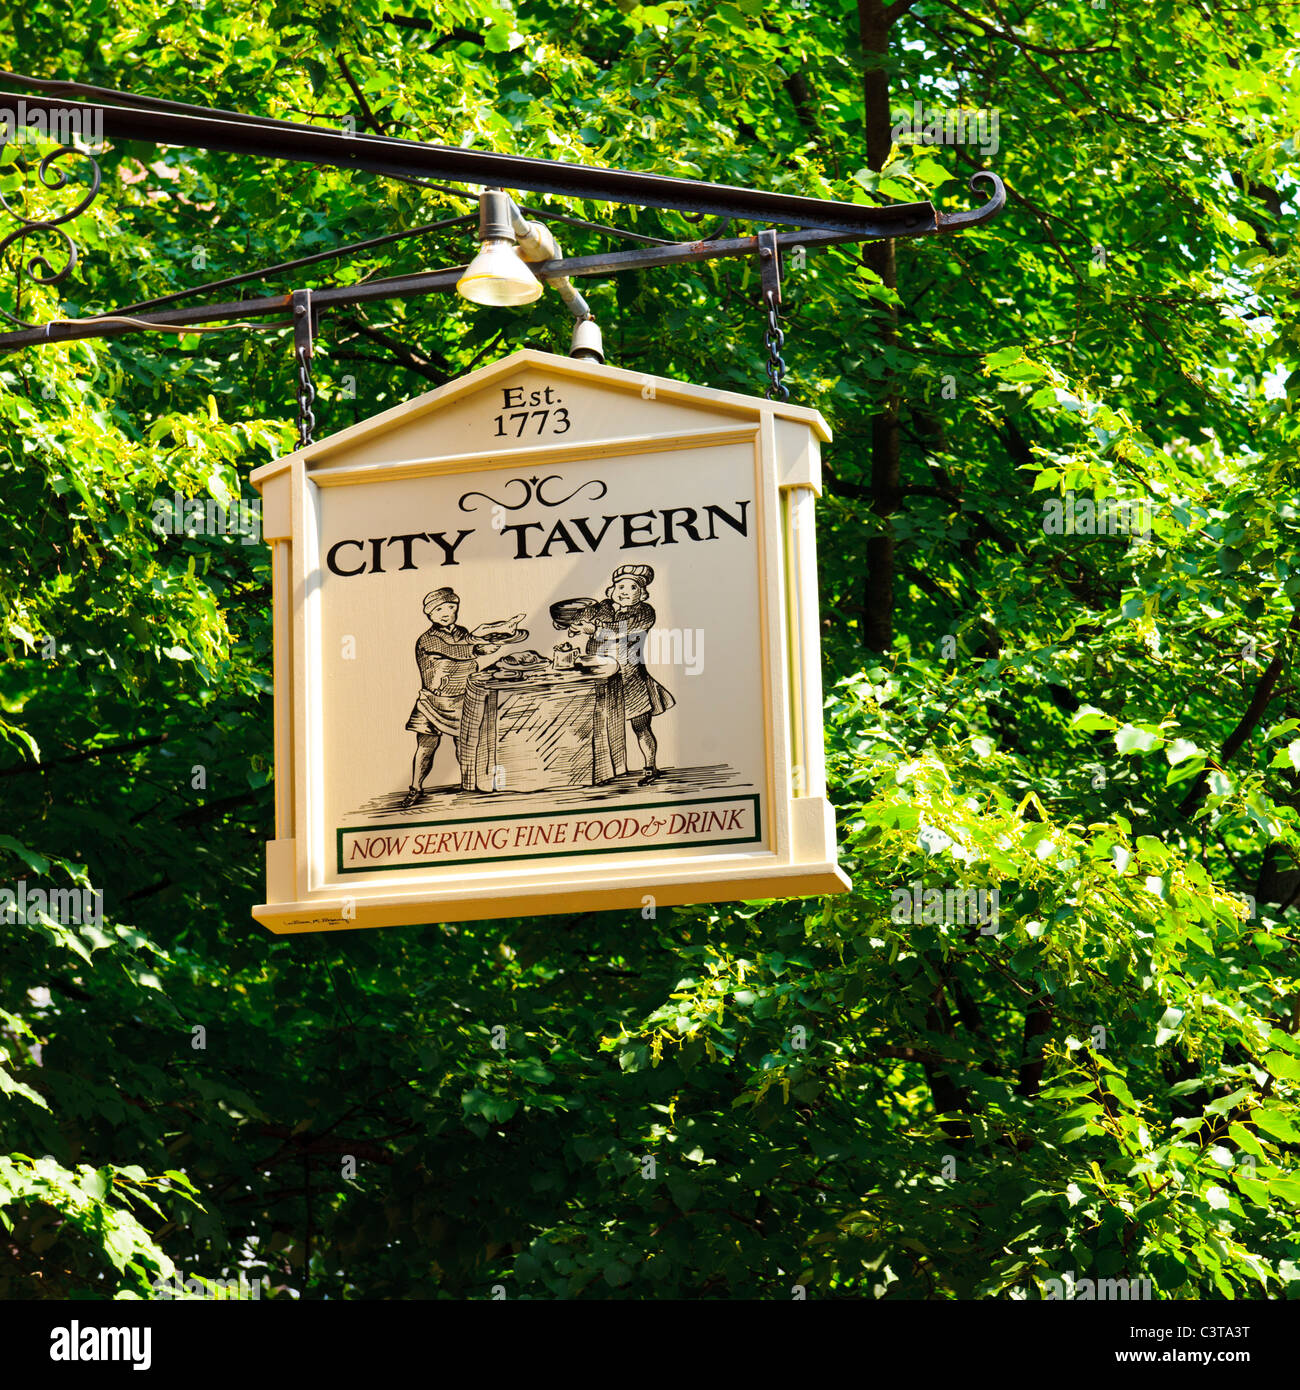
{"type": "Point", "coordinates": [38, 267]}
{"type": "Point", "coordinates": [958, 221]}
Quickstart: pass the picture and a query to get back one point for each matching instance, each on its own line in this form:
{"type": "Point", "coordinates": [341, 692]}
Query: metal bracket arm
{"type": "Point", "coordinates": [435, 281]}
{"type": "Point", "coordinates": [197, 127]}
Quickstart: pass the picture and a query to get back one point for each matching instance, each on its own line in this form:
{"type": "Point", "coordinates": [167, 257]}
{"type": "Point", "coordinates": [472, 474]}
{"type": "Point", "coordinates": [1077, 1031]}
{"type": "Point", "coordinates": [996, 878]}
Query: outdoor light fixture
{"type": "Point", "coordinates": [500, 274]}
{"type": "Point", "coordinates": [587, 341]}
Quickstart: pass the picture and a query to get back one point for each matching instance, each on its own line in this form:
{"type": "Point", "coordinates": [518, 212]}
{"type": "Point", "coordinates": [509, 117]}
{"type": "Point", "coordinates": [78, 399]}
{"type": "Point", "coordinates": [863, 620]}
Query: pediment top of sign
{"type": "Point", "coordinates": [614, 379]}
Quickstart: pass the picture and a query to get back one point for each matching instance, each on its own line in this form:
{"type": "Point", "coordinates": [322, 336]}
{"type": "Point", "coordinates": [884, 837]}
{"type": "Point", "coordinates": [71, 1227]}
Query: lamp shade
{"type": "Point", "coordinates": [499, 275]}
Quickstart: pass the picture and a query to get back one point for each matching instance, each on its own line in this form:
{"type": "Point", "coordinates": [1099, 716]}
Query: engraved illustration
{"type": "Point", "coordinates": [617, 628]}
{"type": "Point", "coordinates": [445, 655]}
{"type": "Point", "coordinates": [533, 729]}
{"type": "Point", "coordinates": [527, 724]}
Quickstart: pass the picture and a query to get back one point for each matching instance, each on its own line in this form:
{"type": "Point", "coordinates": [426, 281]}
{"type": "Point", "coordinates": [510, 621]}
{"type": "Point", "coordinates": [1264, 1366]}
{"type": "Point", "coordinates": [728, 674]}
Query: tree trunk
{"type": "Point", "coordinates": [874, 23]}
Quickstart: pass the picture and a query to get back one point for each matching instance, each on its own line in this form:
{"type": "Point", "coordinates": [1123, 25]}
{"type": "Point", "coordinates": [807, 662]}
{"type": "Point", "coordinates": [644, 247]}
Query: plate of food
{"type": "Point", "coordinates": [502, 630]}
{"type": "Point", "coordinates": [519, 664]}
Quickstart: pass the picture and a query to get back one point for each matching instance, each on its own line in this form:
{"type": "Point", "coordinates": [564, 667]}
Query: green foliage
{"type": "Point", "coordinates": [1102, 729]}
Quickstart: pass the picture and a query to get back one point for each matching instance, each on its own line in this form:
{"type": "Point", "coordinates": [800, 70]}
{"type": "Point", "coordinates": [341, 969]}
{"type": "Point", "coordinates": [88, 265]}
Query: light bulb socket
{"type": "Point", "coordinates": [494, 220]}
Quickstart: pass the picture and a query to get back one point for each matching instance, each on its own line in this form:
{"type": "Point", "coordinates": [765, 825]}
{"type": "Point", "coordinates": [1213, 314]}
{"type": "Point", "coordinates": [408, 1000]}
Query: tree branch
{"type": "Point", "coordinates": [372, 120]}
{"type": "Point", "coordinates": [1254, 712]}
{"type": "Point", "coordinates": [129, 747]}
{"type": "Point", "coordinates": [1023, 44]}
{"type": "Point", "coordinates": [437, 369]}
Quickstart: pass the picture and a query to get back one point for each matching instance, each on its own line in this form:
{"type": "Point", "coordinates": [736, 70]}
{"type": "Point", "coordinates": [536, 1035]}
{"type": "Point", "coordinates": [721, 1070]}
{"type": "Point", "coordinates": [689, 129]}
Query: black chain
{"type": "Point", "coordinates": [306, 397]}
{"type": "Point", "coordinates": [774, 341]}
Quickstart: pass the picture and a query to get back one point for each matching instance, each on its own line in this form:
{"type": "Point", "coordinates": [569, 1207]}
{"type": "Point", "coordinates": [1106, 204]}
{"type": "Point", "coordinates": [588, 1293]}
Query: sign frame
{"type": "Point", "coordinates": [797, 853]}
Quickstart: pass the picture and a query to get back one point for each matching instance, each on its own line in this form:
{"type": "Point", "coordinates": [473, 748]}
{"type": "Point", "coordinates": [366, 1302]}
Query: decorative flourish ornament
{"type": "Point", "coordinates": [39, 267]}
{"type": "Point", "coordinates": [533, 492]}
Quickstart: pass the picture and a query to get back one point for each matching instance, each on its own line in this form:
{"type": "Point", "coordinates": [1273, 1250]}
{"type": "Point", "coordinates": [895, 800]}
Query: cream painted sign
{"type": "Point", "coordinates": [546, 641]}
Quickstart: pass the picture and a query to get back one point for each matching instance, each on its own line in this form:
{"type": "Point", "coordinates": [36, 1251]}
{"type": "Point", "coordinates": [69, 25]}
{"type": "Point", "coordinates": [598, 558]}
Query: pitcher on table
{"type": "Point", "coordinates": [616, 627]}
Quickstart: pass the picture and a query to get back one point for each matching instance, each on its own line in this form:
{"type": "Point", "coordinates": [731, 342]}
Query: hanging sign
{"type": "Point", "coordinates": [546, 641]}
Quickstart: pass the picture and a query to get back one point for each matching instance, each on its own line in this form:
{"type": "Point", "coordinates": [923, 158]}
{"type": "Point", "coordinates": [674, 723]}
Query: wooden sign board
{"type": "Point", "coordinates": [546, 641]}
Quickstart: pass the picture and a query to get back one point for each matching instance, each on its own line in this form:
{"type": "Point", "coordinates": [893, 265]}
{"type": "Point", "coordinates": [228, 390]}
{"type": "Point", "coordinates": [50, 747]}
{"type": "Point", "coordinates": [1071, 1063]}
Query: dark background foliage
{"type": "Point", "coordinates": [1103, 728]}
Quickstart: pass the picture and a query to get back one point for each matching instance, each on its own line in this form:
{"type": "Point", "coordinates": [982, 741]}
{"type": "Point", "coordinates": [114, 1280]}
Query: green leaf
{"type": "Point", "coordinates": [1254, 1190]}
{"type": "Point", "coordinates": [1088, 719]}
{"type": "Point", "coordinates": [10, 1086]}
{"type": "Point", "coordinates": [1003, 357]}
{"type": "Point", "coordinates": [1180, 750]}
{"type": "Point", "coordinates": [931, 173]}
{"type": "Point", "coordinates": [1288, 1189]}
{"type": "Point", "coordinates": [684, 1192]}
{"type": "Point", "coordinates": [1168, 1026]}
{"type": "Point", "coordinates": [1272, 1120]}
{"type": "Point", "coordinates": [1245, 1138]}
{"type": "Point", "coordinates": [1132, 739]}
{"type": "Point", "coordinates": [1283, 1065]}
{"type": "Point", "coordinates": [37, 863]}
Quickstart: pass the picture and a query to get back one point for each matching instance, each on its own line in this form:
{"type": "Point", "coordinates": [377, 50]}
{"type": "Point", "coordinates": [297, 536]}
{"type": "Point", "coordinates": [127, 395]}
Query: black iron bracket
{"type": "Point", "coordinates": [769, 267]}
{"type": "Point", "coordinates": [922, 221]}
{"type": "Point", "coordinates": [125, 116]}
